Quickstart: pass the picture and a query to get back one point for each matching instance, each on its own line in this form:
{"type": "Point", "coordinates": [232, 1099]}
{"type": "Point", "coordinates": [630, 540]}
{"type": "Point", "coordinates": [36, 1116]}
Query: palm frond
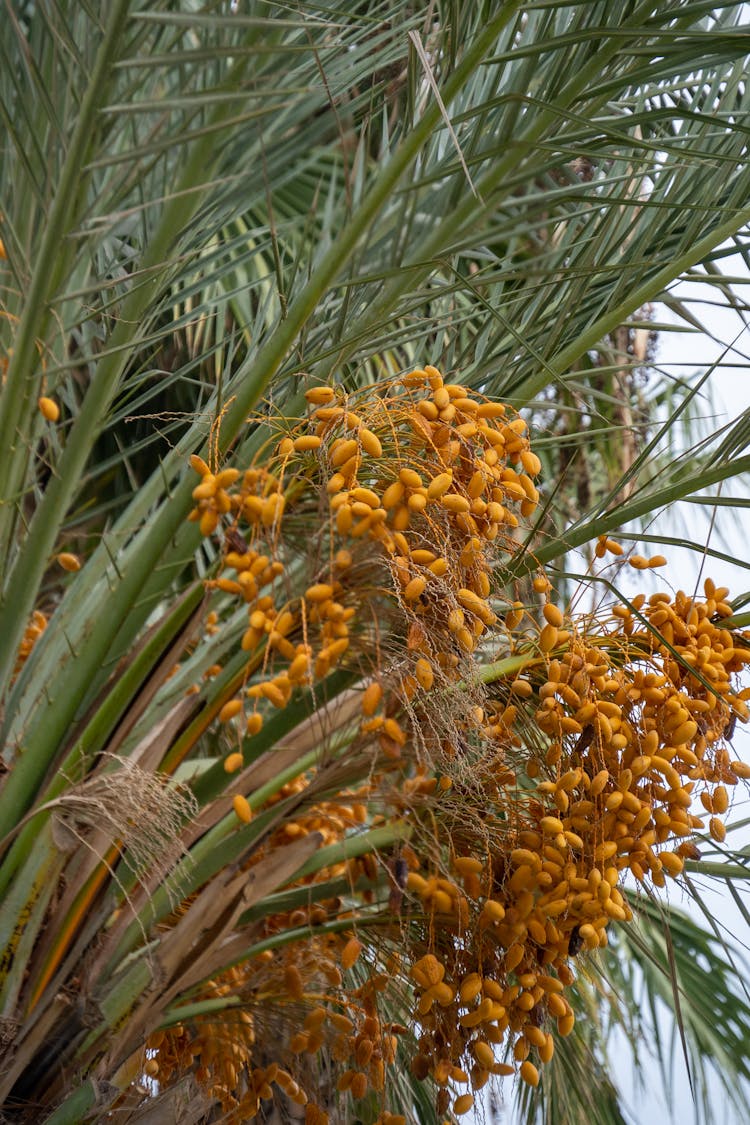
{"type": "Point", "coordinates": [202, 214]}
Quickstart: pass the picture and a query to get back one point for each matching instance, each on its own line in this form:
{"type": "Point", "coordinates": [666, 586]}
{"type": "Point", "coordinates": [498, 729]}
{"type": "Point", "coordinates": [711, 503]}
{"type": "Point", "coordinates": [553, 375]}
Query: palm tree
{"type": "Point", "coordinates": [207, 210]}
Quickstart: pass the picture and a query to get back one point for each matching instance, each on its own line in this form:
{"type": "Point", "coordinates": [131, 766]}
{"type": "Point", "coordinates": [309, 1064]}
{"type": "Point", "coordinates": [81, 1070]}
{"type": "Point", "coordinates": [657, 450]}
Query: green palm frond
{"type": "Point", "coordinates": [203, 210]}
{"type": "Point", "coordinates": [673, 965]}
{"type": "Point", "coordinates": [671, 994]}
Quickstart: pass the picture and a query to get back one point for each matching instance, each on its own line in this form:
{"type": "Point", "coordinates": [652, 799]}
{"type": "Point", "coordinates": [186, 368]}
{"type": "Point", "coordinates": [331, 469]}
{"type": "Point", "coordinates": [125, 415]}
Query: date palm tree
{"type": "Point", "coordinates": [212, 213]}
